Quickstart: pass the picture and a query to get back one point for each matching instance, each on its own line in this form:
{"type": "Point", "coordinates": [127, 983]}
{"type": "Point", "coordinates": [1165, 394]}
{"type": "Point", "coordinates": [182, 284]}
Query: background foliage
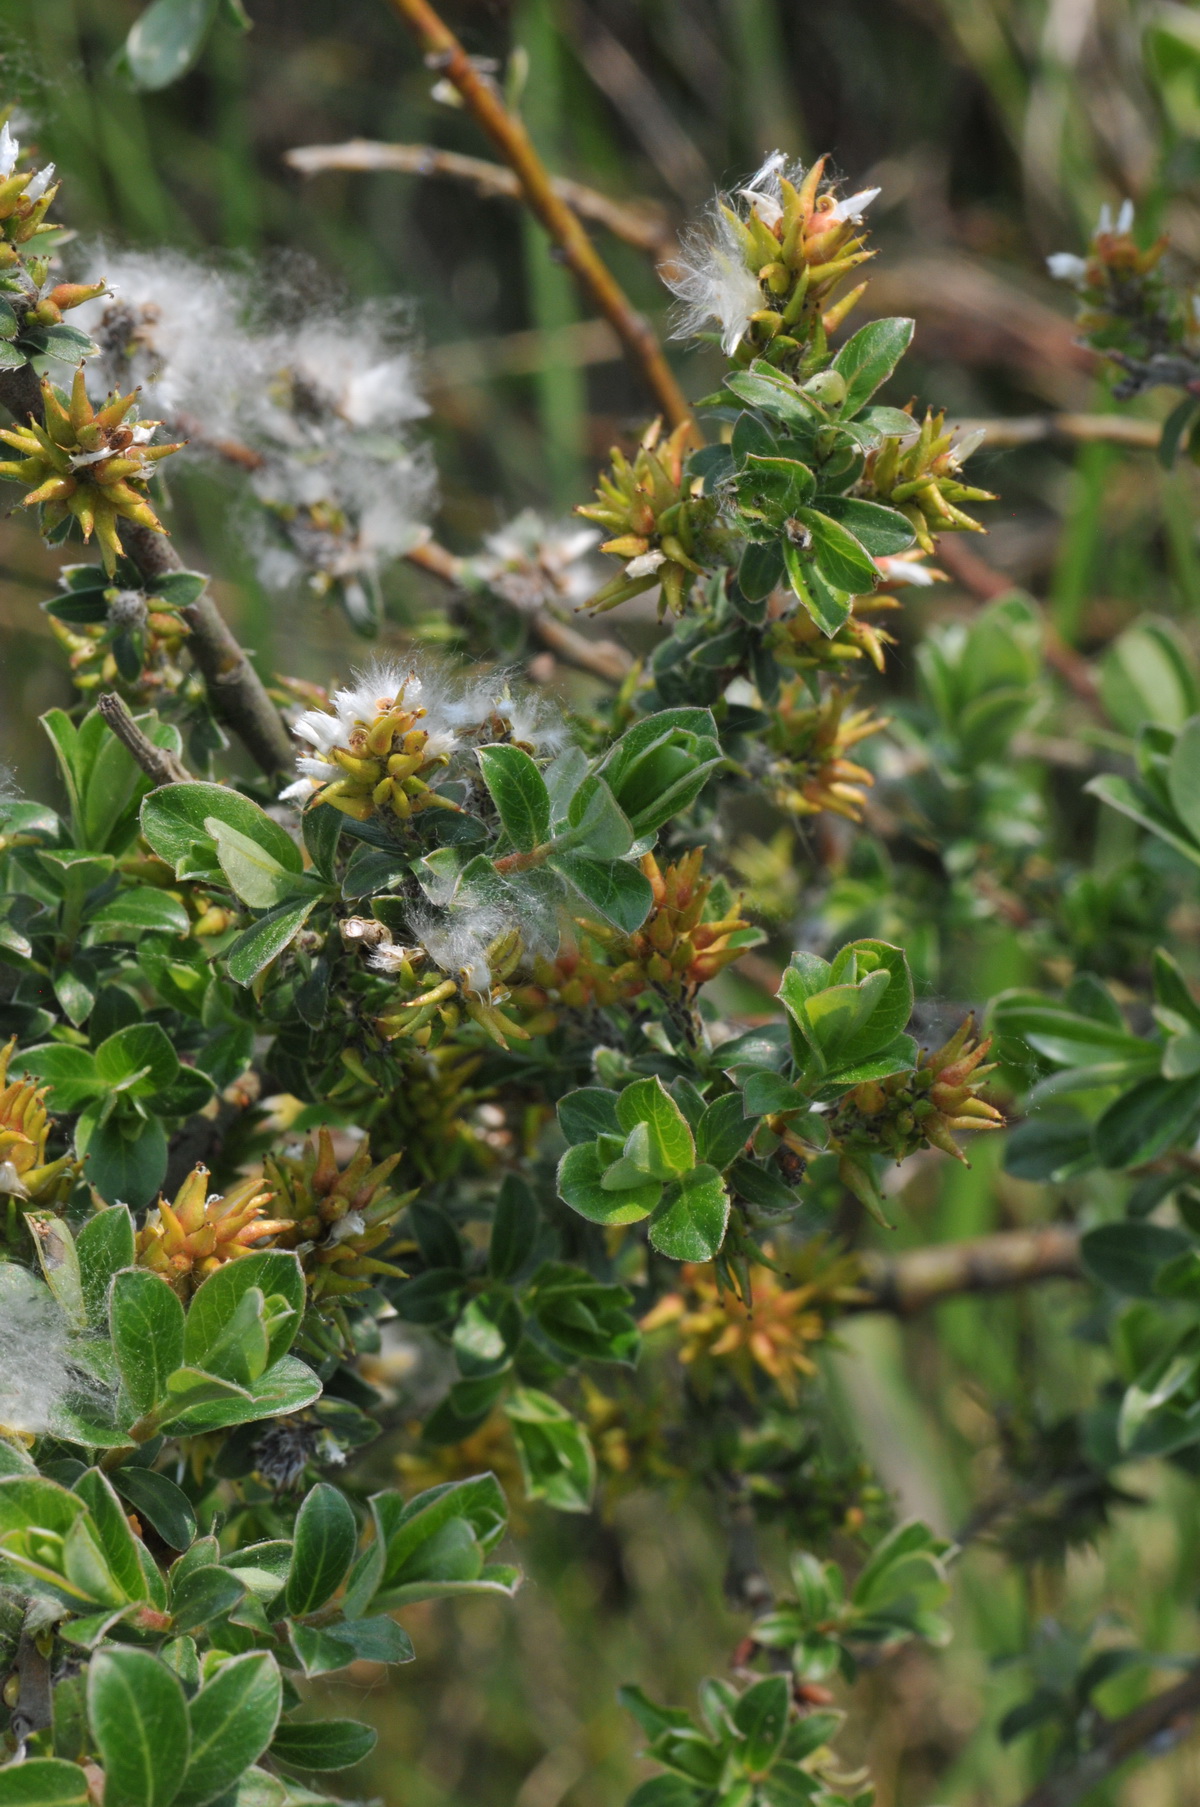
{"type": "Point", "coordinates": [995, 130]}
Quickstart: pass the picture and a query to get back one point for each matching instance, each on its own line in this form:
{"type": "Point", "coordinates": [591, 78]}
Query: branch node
{"type": "Point", "coordinates": [159, 764]}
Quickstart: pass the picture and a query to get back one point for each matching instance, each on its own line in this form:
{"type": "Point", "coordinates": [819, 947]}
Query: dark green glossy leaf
{"type": "Point", "coordinates": [139, 1719]}
{"type": "Point", "coordinates": [325, 1538]}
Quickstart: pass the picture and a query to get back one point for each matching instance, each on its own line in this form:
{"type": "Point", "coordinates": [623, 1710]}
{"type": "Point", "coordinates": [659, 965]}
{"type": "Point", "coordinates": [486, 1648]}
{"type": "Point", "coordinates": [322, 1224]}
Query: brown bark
{"type": "Point", "coordinates": [912, 1282]}
{"type": "Point", "coordinates": [1162, 1721]}
{"type": "Point", "coordinates": [637, 223]}
{"type": "Point", "coordinates": [237, 693]}
{"type": "Point", "coordinates": [160, 766]}
{"type": "Point", "coordinates": [602, 658]}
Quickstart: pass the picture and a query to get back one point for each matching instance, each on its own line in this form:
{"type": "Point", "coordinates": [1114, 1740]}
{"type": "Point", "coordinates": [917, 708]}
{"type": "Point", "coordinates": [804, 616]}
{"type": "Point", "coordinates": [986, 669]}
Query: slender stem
{"type": "Point", "coordinates": [1074, 429]}
{"type": "Point", "coordinates": [912, 1282]}
{"type": "Point", "coordinates": [159, 765]}
{"type": "Point", "coordinates": [602, 658]}
{"type": "Point", "coordinates": [638, 223]}
{"type": "Point", "coordinates": [237, 693]}
{"type": "Point", "coordinates": [1162, 1721]}
{"type": "Point", "coordinates": [506, 131]}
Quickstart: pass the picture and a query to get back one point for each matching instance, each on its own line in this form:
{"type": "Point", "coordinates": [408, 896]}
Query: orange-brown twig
{"type": "Point", "coordinates": [444, 53]}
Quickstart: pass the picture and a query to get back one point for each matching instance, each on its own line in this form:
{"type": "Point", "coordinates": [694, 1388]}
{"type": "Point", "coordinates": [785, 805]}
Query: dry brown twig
{"type": "Point", "coordinates": [641, 224]}
{"type": "Point", "coordinates": [1161, 1721]}
{"type": "Point", "coordinates": [159, 765]}
{"type": "Point", "coordinates": [444, 53]}
{"type": "Point", "coordinates": [237, 693]}
{"type": "Point", "coordinates": [912, 1282]}
{"type": "Point", "coordinates": [602, 658]}
{"type": "Point", "coordinates": [1069, 429]}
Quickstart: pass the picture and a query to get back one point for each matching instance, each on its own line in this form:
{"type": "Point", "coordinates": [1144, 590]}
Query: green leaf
{"type": "Point", "coordinates": [895, 1058]}
{"type": "Point", "coordinates": [326, 1536]}
{"type": "Point", "coordinates": [841, 560]}
{"type": "Point", "coordinates": [767, 389]}
{"type": "Point", "coordinates": [287, 1386]}
{"type": "Point", "coordinates": [75, 994]}
{"type": "Point", "coordinates": [30, 1499]}
{"type": "Point", "coordinates": [258, 1787]}
{"type": "Point", "coordinates": [515, 1225]}
{"type": "Point", "coordinates": [868, 358]}
{"type": "Point", "coordinates": [890, 422]}
{"type": "Point", "coordinates": [138, 1060]}
{"type": "Point", "coordinates": [660, 765]}
{"type": "Point", "coordinates": [782, 483]}
{"type": "Point", "coordinates": [435, 1544]}
{"type": "Point", "coordinates": [1183, 776]}
{"type": "Point", "coordinates": [761, 1716]}
{"type": "Point", "coordinates": [66, 344]}
{"type": "Point", "coordinates": [256, 875]}
{"type": "Point", "coordinates": [233, 1719]}
{"type": "Point", "coordinates": [141, 909]}
{"type": "Point", "coordinates": [1128, 1256]}
{"type": "Point", "coordinates": [146, 1321]}
{"type": "Point", "coordinates": [722, 1131]}
{"type": "Point", "coordinates": [1173, 429]}
{"type": "Point", "coordinates": [187, 1093]}
{"type": "Point", "coordinates": [204, 1594]}
{"type": "Point", "coordinates": [851, 1021]}
{"type": "Point", "coordinates": [618, 892]}
{"type": "Point", "coordinates": [173, 821]}
{"type": "Point", "coordinates": [157, 1500]}
{"type": "Point", "coordinates": [883, 531]}
{"type": "Point", "coordinates": [125, 1156]}
{"type": "Point", "coordinates": [266, 939]}
{"type": "Point", "coordinates": [59, 1262]}
{"type": "Point", "coordinates": [580, 1184]}
{"type": "Point", "coordinates": [587, 1113]}
{"type": "Point", "coordinates": [378, 1640]}
{"type": "Point", "coordinates": [689, 1223]}
{"type": "Point", "coordinates": [164, 43]}
{"type": "Point", "coordinates": [487, 1332]}
{"type": "Point", "coordinates": [1147, 676]}
{"type": "Point", "coordinates": [584, 1317]}
{"type": "Point", "coordinates": [1121, 795]}
{"type": "Point", "coordinates": [760, 570]}
{"type": "Point", "coordinates": [113, 1530]}
{"type": "Point", "coordinates": [828, 607]}
{"type": "Point", "coordinates": [43, 1782]}
{"type": "Point", "coordinates": [519, 792]}
{"type": "Point", "coordinates": [276, 1273]}
{"type": "Point", "coordinates": [322, 829]}
{"type": "Point", "coordinates": [669, 1148]}
{"type": "Point", "coordinates": [598, 826]}
{"type": "Point", "coordinates": [139, 1719]}
{"type": "Point", "coordinates": [70, 1073]}
{"type": "Point", "coordinates": [323, 1744]}
{"type": "Point", "coordinates": [1153, 1116]}
{"type": "Point", "coordinates": [557, 1461]}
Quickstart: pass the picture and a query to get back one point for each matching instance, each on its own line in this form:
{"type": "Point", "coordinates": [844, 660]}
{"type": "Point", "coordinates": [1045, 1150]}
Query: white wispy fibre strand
{"type": "Point", "coordinates": [10, 151]}
{"type": "Point", "coordinates": [532, 564]}
{"type": "Point", "coordinates": [708, 275]}
{"type": "Point", "coordinates": [458, 717]}
{"type": "Point", "coordinates": [327, 404]}
{"type": "Point", "coordinates": [36, 1376]}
